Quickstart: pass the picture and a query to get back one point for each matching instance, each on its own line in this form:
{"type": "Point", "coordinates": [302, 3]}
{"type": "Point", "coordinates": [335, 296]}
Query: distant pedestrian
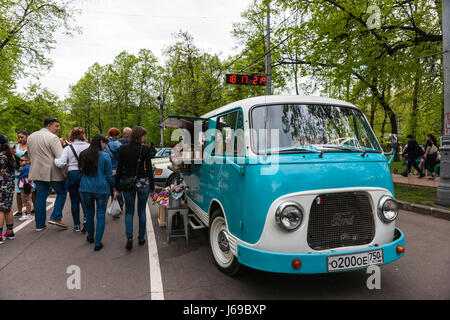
{"type": "Point", "coordinates": [414, 151]}
{"type": "Point", "coordinates": [95, 187]}
{"type": "Point", "coordinates": [430, 156]}
{"type": "Point", "coordinates": [152, 150]}
{"type": "Point", "coordinates": [112, 148]}
{"type": "Point", "coordinates": [25, 185]}
{"type": "Point", "coordinates": [20, 149]}
{"type": "Point", "coordinates": [7, 165]}
{"type": "Point", "coordinates": [44, 147]}
{"type": "Point", "coordinates": [126, 132]}
{"type": "Point", "coordinates": [69, 159]}
{"type": "Point", "coordinates": [135, 177]}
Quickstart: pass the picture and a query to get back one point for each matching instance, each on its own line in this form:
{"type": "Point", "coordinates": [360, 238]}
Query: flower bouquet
{"type": "Point", "coordinates": [161, 198]}
{"type": "Point", "coordinates": [175, 157]}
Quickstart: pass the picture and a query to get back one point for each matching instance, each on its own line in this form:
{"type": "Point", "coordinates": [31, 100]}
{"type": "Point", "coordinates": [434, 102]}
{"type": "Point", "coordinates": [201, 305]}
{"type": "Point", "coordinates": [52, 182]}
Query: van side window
{"type": "Point", "coordinates": [226, 138]}
{"type": "Point", "coordinates": [239, 141]}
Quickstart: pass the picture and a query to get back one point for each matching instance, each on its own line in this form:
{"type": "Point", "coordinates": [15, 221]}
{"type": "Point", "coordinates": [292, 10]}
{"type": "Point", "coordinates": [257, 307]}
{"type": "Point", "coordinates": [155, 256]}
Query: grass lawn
{"type": "Point", "coordinates": [416, 194]}
{"type": "Point", "coordinates": [397, 165]}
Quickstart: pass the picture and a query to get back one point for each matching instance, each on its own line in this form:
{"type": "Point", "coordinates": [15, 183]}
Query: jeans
{"type": "Point", "coordinates": [73, 184]}
{"type": "Point", "coordinates": [130, 197]}
{"type": "Point", "coordinates": [42, 188]}
{"type": "Point", "coordinates": [91, 200]}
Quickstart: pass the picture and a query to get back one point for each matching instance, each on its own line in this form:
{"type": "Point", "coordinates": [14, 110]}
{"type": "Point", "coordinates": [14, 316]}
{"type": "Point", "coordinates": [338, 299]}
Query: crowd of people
{"type": "Point", "coordinates": [428, 156]}
{"type": "Point", "coordinates": [92, 173]}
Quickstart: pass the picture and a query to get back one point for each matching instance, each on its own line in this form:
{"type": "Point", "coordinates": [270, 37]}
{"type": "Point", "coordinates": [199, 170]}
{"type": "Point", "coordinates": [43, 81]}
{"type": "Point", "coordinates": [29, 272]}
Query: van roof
{"type": "Point", "coordinates": [246, 104]}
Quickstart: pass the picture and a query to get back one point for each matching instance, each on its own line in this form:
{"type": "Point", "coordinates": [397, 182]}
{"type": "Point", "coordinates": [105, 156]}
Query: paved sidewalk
{"type": "Point", "coordinates": [435, 210]}
{"type": "Point", "coordinates": [414, 180]}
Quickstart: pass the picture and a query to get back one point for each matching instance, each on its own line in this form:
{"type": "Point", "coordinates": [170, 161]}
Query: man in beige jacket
{"type": "Point", "coordinates": [43, 147]}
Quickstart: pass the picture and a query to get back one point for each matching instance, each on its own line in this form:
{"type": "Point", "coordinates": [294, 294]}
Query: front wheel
{"type": "Point", "coordinates": [223, 257]}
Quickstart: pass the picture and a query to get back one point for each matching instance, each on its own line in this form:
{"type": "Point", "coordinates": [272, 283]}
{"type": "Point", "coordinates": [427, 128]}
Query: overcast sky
{"type": "Point", "coordinates": [111, 26]}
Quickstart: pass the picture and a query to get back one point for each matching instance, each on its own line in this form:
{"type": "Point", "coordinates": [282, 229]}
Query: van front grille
{"type": "Point", "coordinates": [340, 220]}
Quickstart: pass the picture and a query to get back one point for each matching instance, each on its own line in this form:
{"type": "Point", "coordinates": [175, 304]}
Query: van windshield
{"type": "Point", "coordinates": [308, 128]}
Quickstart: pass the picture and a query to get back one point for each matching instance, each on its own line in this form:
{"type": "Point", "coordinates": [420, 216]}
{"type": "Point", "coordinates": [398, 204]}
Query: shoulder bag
{"type": "Point", "coordinates": [433, 149]}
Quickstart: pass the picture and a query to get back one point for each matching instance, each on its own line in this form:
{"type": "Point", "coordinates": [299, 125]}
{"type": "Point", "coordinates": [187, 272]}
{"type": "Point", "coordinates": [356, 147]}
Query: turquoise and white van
{"type": "Point", "coordinates": [291, 184]}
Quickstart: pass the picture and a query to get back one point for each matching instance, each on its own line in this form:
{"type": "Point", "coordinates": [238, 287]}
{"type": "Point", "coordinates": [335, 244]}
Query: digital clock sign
{"type": "Point", "coordinates": [249, 80]}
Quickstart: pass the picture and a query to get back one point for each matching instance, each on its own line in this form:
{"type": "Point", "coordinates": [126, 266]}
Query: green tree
{"type": "Point", "coordinates": [27, 111]}
{"type": "Point", "coordinates": [27, 29]}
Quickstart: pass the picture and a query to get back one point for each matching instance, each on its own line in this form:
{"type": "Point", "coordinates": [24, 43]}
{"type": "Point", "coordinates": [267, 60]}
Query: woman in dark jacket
{"type": "Point", "coordinates": [134, 164]}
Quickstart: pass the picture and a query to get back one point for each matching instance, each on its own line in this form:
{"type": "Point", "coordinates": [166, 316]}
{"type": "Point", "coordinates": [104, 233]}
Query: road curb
{"type": "Point", "coordinates": [425, 210]}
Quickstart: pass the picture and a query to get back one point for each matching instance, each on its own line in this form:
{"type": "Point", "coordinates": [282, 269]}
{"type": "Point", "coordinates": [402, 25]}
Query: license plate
{"type": "Point", "coordinates": [350, 261]}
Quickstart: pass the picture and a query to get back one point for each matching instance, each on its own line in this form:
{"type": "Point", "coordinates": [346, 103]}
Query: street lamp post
{"type": "Point", "coordinates": [443, 191]}
{"type": "Point", "coordinates": [161, 118]}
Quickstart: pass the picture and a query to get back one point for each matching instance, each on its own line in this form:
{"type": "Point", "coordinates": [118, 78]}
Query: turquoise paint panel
{"type": "Point", "coordinates": [296, 174]}
{"type": "Point", "coordinates": [246, 198]}
{"type": "Point", "coordinates": [312, 263]}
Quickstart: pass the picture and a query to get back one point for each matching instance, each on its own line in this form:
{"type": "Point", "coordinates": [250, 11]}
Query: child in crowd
{"type": "Point", "coordinates": [25, 186]}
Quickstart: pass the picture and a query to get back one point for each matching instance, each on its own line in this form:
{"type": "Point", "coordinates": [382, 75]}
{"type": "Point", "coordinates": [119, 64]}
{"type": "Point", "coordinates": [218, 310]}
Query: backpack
{"type": "Point", "coordinates": [419, 151]}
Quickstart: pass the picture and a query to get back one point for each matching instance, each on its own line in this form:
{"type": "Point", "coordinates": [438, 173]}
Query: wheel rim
{"type": "Point", "coordinates": [220, 244]}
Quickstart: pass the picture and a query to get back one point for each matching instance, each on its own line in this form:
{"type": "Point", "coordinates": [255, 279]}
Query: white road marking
{"type": "Point", "coordinates": [27, 222]}
{"type": "Point", "coordinates": [156, 285]}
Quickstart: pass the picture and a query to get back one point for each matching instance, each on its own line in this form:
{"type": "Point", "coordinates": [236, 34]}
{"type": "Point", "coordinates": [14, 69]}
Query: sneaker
{"type": "Point", "coordinates": [10, 235]}
{"type": "Point", "coordinates": [17, 213]}
{"type": "Point", "coordinates": [83, 228]}
{"type": "Point", "coordinates": [2, 240]}
{"type": "Point", "coordinates": [24, 217]}
{"type": "Point", "coordinates": [42, 228]}
{"type": "Point", "coordinates": [76, 229]}
{"type": "Point", "coordinates": [129, 245]}
{"type": "Point", "coordinates": [58, 223]}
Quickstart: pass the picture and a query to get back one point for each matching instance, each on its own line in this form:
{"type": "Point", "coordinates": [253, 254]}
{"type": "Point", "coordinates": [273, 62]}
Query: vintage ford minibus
{"type": "Point", "coordinates": [291, 184]}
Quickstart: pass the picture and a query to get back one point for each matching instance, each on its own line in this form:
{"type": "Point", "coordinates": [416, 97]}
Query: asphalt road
{"type": "Point", "coordinates": [35, 266]}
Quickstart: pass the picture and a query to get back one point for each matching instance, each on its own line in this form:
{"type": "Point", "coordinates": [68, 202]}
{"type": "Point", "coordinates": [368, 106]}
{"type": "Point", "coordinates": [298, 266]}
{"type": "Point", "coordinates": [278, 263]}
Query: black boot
{"type": "Point", "coordinates": [129, 245]}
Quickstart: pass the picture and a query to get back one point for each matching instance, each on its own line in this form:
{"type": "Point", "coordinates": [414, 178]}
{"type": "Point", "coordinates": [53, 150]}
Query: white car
{"type": "Point", "coordinates": [161, 172]}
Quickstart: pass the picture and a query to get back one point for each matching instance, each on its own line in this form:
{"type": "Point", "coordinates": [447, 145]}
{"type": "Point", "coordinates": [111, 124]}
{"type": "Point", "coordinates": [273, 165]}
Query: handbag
{"type": "Point", "coordinates": [129, 183]}
{"type": "Point", "coordinates": [27, 188]}
{"type": "Point", "coordinates": [433, 149]}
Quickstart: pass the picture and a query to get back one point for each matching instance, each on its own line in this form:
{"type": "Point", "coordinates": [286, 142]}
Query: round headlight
{"type": "Point", "coordinates": [387, 209]}
{"type": "Point", "coordinates": [289, 216]}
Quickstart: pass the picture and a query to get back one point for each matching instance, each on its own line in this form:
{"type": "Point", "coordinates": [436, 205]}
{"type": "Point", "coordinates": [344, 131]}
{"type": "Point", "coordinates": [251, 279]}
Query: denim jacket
{"type": "Point", "coordinates": [100, 183]}
{"type": "Point", "coordinates": [112, 148]}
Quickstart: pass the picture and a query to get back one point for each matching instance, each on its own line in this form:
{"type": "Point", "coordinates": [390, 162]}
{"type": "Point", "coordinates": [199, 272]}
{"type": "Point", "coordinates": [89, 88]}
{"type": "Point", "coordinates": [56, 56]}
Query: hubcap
{"type": "Point", "coordinates": [223, 242]}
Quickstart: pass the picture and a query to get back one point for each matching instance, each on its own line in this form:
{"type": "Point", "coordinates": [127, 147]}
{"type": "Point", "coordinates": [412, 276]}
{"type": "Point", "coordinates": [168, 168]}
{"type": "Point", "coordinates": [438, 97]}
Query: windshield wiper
{"type": "Point", "coordinates": [347, 148]}
{"type": "Point", "coordinates": [301, 149]}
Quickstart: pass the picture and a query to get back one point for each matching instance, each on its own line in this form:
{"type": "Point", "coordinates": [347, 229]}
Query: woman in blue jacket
{"type": "Point", "coordinates": [95, 186]}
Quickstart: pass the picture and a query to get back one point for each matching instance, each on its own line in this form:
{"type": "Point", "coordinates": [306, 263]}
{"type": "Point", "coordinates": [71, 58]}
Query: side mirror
{"type": "Point", "coordinates": [394, 144]}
